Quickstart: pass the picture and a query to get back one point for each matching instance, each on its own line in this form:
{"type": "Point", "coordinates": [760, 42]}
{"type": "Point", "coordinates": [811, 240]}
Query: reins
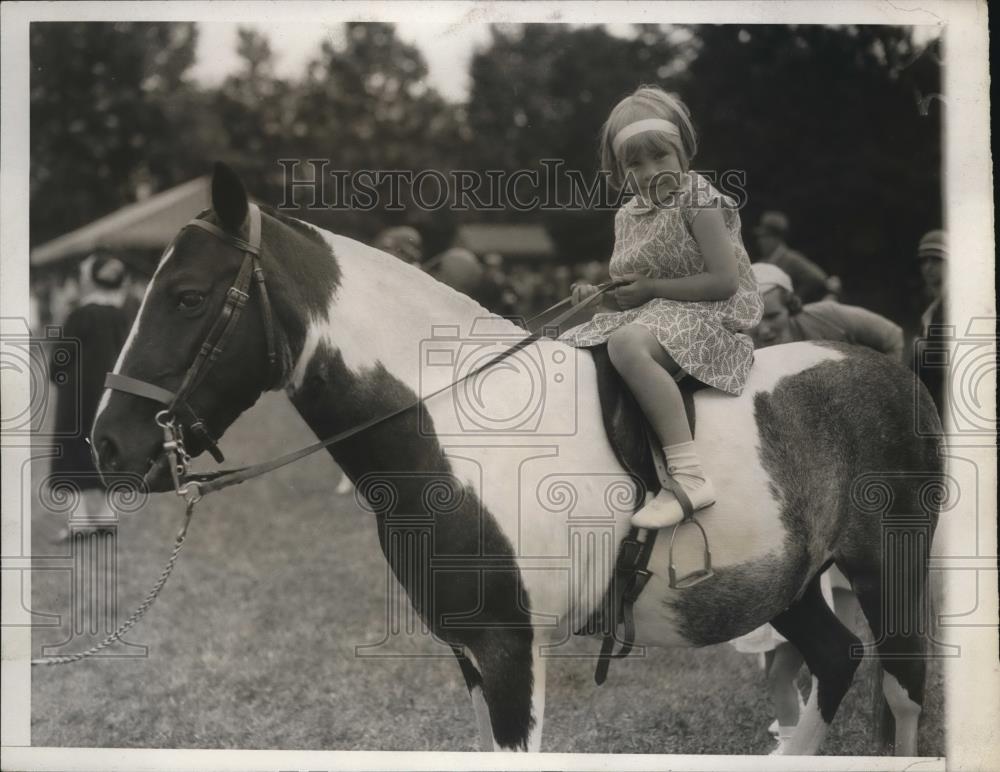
{"type": "Point", "coordinates": [218, 481]}
{"type": "Point", "coordinates": [193, 487]}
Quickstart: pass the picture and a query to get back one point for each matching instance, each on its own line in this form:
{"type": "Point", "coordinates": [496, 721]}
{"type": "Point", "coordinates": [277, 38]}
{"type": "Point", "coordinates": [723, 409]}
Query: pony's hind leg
{"type": "Point", "coordinates": [825, 644]}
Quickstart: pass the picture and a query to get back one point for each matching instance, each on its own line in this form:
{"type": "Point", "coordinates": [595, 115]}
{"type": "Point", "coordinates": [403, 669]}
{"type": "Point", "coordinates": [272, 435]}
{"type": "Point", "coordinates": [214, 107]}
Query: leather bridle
{"type": "Point", "coordinates": [217, 339]}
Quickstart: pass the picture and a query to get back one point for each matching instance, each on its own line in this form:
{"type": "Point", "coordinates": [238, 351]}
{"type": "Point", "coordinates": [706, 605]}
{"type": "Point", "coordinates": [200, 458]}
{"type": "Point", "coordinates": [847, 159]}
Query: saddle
{"type": "Point", "coordinates": [638, 450]}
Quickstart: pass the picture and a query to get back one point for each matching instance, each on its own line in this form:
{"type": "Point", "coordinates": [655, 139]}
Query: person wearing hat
{"type": "Point", "coordinates": [403, 241]}
{"type": "Point", "coordinates": [809, 280]}
{"type": "Point", "coordinates": [786, 319]}
{"type": "Point", "coordinates": [460, 269]}
{"type": "Point", "coordinates": [932, 252]}
{"type": "Point", "coordinates": [100, 325]}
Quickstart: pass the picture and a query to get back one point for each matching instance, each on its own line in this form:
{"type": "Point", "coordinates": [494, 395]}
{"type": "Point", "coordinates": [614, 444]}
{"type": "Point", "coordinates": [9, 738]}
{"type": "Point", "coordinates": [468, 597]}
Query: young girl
{"type": "Point", "coordinates": [691, 290]}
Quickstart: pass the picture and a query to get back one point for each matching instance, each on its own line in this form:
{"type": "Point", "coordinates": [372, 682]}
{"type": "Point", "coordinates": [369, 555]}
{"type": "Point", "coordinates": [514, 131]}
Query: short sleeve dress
{"type": "Point", "coordinates": [704, 337]}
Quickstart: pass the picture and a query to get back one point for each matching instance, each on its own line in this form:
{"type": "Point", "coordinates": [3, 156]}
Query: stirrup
{"type": "Point", "coordinates": [668, 482]}
{"type": "Point", "coordinates": [698, 575]}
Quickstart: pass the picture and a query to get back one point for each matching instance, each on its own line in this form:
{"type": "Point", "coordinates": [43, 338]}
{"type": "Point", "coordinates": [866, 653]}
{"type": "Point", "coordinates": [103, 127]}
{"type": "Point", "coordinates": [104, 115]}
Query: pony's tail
{"type": "Point", "coordinates": [883, 723]}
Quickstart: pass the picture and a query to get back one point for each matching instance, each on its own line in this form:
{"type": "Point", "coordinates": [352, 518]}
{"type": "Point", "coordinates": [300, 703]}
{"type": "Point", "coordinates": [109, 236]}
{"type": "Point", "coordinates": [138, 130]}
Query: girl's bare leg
{"type": "Point", "coordinates": [647, 368]}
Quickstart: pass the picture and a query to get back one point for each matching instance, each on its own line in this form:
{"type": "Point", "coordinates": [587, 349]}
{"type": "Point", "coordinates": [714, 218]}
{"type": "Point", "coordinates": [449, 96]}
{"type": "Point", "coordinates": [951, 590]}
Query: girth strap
{"type": "Point", "coordinates": [631, 575]}
{"type": "Point", "coordinates": [628, 581]}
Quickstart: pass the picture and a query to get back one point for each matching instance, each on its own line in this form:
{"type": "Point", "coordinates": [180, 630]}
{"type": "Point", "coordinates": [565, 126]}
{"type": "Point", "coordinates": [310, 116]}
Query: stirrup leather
{"type": "Point", "coordinates": [669, 483]}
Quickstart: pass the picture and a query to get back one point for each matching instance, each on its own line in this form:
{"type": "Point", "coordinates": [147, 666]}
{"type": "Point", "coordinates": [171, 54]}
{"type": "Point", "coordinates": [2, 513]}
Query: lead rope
{"type": "Point", "coordinates": [136, 615]}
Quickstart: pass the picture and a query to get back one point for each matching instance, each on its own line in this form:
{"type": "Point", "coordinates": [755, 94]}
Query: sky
{"type": "Point", "coordinates": [446, 48]}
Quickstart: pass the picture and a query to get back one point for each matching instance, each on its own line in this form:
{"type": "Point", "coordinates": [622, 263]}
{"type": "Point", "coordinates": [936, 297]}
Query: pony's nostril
{"type": "Point", "coordinates": [107, 452]}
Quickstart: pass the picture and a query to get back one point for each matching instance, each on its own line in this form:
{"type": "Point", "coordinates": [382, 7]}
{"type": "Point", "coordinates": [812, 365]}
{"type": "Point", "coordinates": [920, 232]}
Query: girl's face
{"type": "Point", "coordinates": [656, 172]}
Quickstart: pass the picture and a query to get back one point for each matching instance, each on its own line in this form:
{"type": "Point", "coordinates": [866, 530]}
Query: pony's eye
{"type": "Point", "coordinates": [190, 300]}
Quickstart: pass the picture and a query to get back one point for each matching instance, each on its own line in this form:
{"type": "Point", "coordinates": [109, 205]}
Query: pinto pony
{"type": "Point", "coordinates": [507, 490]}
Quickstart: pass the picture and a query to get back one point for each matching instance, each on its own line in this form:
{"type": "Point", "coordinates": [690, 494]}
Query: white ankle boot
{"type": "Point", "coordinates": [665, 510]}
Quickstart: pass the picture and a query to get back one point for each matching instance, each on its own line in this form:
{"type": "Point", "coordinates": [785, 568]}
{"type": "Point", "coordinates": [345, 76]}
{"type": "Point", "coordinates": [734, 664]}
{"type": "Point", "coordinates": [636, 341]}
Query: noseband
{"type": "Point", "coordinates": [217, 339]}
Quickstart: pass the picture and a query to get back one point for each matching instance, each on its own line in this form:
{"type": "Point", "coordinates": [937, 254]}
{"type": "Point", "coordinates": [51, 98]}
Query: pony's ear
{"type": "Point", "coordinates": [229, 197]}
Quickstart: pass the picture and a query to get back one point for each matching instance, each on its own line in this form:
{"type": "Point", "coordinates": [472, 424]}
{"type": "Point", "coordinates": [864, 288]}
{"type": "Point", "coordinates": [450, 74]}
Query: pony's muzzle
{"type": "Point", "coordinates": [107, 455]}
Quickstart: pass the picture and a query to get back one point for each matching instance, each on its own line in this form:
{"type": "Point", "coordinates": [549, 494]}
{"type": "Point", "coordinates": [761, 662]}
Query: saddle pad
{"type": "Point", "coordinates": [624, 421]}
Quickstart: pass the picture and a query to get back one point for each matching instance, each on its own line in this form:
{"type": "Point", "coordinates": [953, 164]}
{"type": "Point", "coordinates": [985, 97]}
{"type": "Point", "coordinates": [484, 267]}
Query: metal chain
{"type": "Point", "coordinates": [139, 612]}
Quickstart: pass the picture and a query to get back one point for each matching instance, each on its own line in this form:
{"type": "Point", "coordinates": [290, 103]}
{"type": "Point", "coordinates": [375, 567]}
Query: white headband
{"type": "Point", "coordinates": [639, 127]}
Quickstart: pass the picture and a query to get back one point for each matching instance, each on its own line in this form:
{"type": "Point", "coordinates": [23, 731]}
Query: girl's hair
{"type": "Point", "coordinates": [646, 102]}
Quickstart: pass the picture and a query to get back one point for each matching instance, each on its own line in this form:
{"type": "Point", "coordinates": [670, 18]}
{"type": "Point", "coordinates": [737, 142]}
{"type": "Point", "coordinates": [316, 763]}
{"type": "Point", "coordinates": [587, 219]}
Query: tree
{"type": "Point", "coordinates": [99, 122]}
{"type": "Point", "coordinates": [257, 110]}
{"type": "Point", "coordinates": [365, 104]}
{"type": "Point", "coordinates": [825, 124]}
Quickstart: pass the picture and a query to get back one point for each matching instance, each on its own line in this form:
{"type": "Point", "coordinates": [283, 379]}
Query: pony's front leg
{"type": "Point", "coordinates": [537, 699]}
{"type": "Point", "coordinates": [505, 675]}
{"type": "Point", "coordinates": [474, 683]}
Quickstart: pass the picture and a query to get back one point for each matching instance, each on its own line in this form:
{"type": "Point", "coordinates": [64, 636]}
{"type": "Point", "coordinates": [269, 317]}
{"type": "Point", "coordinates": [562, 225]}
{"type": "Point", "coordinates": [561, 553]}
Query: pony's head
{"type": "Point", "coordinates": [185, 354]}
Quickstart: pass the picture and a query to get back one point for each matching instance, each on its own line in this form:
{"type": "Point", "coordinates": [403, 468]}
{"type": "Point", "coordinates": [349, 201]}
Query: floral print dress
{"type": "Point", "coordinates": [704, 337]}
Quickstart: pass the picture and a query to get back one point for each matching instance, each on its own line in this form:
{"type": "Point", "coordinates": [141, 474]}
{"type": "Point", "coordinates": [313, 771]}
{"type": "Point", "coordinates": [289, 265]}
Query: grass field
{"type": "Point", "coordinates": [253, 643]}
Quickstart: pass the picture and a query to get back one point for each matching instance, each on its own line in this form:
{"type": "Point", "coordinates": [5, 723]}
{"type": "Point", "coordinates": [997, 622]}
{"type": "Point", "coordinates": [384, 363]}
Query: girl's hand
{"type": "Point", "coordinates": [582, 290]}
{"type": "Point", "coordinates": [638, 291]}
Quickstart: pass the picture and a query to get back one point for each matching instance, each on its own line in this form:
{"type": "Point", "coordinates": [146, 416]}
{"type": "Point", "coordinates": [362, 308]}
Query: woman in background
{"type": "Point", "coordinates": [99, 325]}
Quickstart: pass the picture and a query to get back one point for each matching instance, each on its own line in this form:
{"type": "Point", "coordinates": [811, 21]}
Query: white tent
{"type": "Point", "coordinates": [148, 224]}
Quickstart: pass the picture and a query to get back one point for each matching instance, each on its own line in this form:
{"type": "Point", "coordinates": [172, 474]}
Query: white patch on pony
{"type": "Point", "coordinates": [127, 347]}
{"type": "Point", "coordinates": [382, 312]}
{"type": "Point", "coordinates": [537, 696]}
{"type": "Point", "coordinates": [314, 333]}
{"type": "Point", "coordinates": [906, 713]}
{"type": "Point", "coordinates": [811, 730]}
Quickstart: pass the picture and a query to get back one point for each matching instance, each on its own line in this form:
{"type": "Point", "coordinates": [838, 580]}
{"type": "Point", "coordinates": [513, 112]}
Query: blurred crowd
{"type": "Point", "coordinates": [516, 291]}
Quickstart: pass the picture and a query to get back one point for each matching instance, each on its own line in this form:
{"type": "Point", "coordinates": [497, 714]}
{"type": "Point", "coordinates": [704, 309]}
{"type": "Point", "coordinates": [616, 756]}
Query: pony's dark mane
{"type": "Point", "coordinates": [301, 227]}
